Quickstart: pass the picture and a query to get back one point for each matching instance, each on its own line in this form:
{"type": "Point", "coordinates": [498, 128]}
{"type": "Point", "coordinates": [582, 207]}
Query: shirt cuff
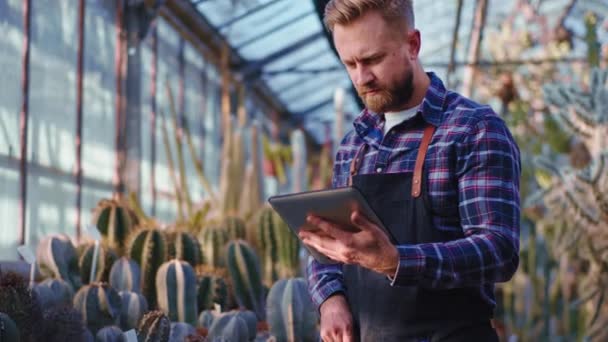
{"type": "Point", "coordinates": [320, 295]}
{"type": "Point", "coordinates": [411, 265]}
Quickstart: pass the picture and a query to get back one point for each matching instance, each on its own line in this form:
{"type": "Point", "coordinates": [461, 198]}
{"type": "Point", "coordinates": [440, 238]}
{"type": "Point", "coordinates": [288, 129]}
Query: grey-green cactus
{"type": "Point", "coordinates": [57, 258]}
{"type": "Point", "coordinates": [99, 304]}
{"type": "Point", "coordinates": [21, 304]}
{"type": "Point", "coordinates": [244, 270]}
{"type": "Point", "coordinates": [291, 314]}
{"type": "Point", "coordinates": [8, 329]}
{"type": "Point", "coordinates": [228, 327]}
{"type": "Point", "coordinates": [149, 249]}
{"type": "Point", "coordinates": [105, 259]}
{"type": "Point", "coordinates": [213, 241]}
{"type": "Point", "coordinates": [206, 318]}
{"type": "Point", "coordinates": [53, 292]}
{"type": "Point", "coordinates": [176, 291]}
{"type": "Point", "coordinates": [279, 246]}
{"type": "Point", "coordinates": [212, 290]}
{"type": "Point", "coordinates": [115, 221]}
{"type": "Point", "coordinates": [183, 246]}
{"type": "Point", "coordinates": [180, 331]}
{"type": "Point", "coordinates": [235, 226]}
{"type": "Point", "coordinates": [252, 321]}
{"type": "Point", "coordinates": [133, 307]}
{"type": "Point", "coordinates": [155, 326]}
{"type": "Point", "coordinates": [125, 275]}
{"type": "Point", "coordinates": [110, 334]}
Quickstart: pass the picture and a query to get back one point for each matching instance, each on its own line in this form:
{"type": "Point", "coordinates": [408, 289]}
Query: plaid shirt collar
{"type": "Point", "coordinates": [431, 109]}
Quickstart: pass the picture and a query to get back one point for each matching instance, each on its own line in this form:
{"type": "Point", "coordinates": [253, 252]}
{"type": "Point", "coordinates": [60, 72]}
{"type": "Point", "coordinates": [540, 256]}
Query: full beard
{"type": "Point", "coordinates": [384, 100]}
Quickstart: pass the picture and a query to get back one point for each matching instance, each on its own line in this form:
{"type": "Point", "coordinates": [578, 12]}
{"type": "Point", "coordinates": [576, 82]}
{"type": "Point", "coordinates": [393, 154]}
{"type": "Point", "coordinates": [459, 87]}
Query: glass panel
{"type": "Point", "coordinates": [146, 122]}
{"type": "Point", "coordinates": [9, 209]}
{"type": "Point", "coordinates": [52, 94]}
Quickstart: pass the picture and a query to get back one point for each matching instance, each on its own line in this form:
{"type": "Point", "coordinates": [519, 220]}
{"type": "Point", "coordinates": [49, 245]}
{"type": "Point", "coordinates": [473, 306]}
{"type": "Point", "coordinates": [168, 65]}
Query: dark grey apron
{"type": "Point", "coordinates": [382, 312]}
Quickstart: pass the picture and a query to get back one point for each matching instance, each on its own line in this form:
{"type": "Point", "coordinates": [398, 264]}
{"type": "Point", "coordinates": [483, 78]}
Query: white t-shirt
{"type": "Point", "coordinates": [395, 118]}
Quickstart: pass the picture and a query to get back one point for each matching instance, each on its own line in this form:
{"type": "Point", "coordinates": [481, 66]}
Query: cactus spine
{"type": "Point", "coordinates": [99, 305]}
{"type": "Point", "coordinates": [212, 289]}
{"type": "Point", "coordinates": [244, 270]}
{"type": "Point", "coordinates": [291, 313]}
{"type": "Point", "coordinates": [213, 241]}
{"type": "Point", "coordinates": [183, 246]}
{"type": "Point", "coordinates": [115, 221]}
{"type": "Point", "coordinates": [148, 248]}
{"type": "Point", "coordinates": [57, 258]}
{"type": "Point", "coordinates": [176, 291]}
{"type": "Point", "coordinates": [125, 275]}
{"type": "Point", "coordinates": [105, 260]}
{"type": "Point", "coordinates": [133, 307]}
{"type": "Point", "coordinates": [8, 329]}
{"type": "Point", "coordinates": [155, 326]}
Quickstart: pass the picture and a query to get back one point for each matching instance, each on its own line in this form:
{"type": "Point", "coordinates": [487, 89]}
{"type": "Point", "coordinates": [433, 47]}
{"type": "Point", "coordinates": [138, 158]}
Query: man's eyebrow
{"type": "Point", "coordinates": [365, 57]}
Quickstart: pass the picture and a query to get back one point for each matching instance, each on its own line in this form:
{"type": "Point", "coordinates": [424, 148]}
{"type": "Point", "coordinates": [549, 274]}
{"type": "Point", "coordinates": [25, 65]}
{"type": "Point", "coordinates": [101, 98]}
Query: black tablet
{"type": "Point", "coordinates": [335, 205]}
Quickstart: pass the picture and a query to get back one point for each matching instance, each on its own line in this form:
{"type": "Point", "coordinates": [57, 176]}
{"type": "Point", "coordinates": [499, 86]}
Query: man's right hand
{"type": "Point", "coordinates": [336, 320]}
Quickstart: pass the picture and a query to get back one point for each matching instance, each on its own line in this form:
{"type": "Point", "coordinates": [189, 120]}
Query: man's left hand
{"type": "Point", "coordinates": [368, 247]}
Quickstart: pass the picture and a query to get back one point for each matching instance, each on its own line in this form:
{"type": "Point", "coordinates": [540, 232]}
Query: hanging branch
{"type": "Point", "coordinates": [452, 66]}
{"type": "Point", "coordinates": [481, 11]}
{"type": "Point", "coordinates": [166, 143]}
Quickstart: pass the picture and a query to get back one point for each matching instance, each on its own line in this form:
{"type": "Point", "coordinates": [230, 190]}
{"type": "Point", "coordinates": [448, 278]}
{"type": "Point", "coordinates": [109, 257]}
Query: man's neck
{"type": "Point", "coordinates": [422, 82]}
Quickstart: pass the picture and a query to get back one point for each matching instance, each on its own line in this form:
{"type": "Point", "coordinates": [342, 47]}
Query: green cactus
{"type": "Point", "coordinates": [213, 241]}
{"type": "Point", "coordinates": [99, 304]}
{"type": "Point", "coordinates": [244, 270]}
{"type": "Point", "coordinates": [110, 334]}
{"type": "Point", "coordinates": [115, 221]}
{"type": "Point", "coordinates": [57, 258]}
{"type": "Point", "coordinates": [125, 275]}
{"type": "Point", "coordinates": [251, 319]}
{"type": "Point", "coordinates": [155, 326]}
{"type": "Point", "coordinates": [105, 259]}
{"type": "Point", "coordinates": [53, 292]}
{"type": "Point", "coordinates": [8, 329]}
{"type": "Point", "coordinates": [176, 291]}
{"type": "Point", "coordinates": [235, 226]}
{"type": "Point", "coordinates": [183, 246]}
{"type": "Point", "coordinates": [212, 289]}
{"type": "Point", "coordinates": [149, 249]}
{"type": "Point", "coordinates": [21, 304]}
{"type": "Point", "coordinates": [229, 327]}
{"type": "Point", "coordinates": [291, 314]}
{"type": "Point", "coordinates": [206, 318]}
{"type": "Point", "coordinates": [279, 246]}
{"type": "Point", "coordinates": [288, 249]}
{"type": "Point", "coordinates": [133, 307]}
{"type": "Point", "coordinates": [267, 241]}
{"type": "Point", "coordinates": [64, 323]}
{"type": "Point", "coordinates": [180, 331]}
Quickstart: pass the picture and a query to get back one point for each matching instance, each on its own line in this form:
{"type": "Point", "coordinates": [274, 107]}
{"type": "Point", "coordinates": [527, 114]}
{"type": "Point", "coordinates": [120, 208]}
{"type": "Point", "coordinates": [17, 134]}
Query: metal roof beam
{"type": "Point", "coordinates": [255, 67]}
{"type": "Point", "coordinates": [273, 29]}
{"type": "Point", "coordinates": [256, 9]}
{"type": "Point", "coordinates": [314, 107]}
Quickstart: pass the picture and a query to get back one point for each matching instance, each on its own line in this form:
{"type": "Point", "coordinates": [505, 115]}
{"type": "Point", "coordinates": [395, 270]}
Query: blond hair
{"type": "Point", "coordinates": [342, 12]}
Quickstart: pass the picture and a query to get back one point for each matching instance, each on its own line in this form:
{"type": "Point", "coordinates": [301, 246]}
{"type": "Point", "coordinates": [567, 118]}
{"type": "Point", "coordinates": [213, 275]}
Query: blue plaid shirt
{"type": "Point", "coordinates": [472, 168]}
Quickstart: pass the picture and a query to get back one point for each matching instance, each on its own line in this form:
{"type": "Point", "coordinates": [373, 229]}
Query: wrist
{"type": "Point", "coordinates": [392, 260]}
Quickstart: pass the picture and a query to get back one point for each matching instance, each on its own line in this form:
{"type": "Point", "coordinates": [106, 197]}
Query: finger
{"type": "Point", "coordinates": [361, 222]}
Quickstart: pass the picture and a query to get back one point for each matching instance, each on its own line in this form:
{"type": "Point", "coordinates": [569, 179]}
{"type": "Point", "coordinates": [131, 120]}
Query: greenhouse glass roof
{"type": "Point", "coordinates": [284, 44]}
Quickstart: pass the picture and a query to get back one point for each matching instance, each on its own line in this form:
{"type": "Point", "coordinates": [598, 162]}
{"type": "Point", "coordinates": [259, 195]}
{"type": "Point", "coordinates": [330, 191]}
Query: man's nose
{"type": "Point", "coordinates": [363, 76]}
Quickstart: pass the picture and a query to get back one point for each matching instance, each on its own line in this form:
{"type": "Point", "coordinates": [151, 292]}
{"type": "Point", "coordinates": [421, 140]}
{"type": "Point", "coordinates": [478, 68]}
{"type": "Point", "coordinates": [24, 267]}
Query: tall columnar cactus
{"type": "Point", "coordinates": [21, 304]}
{"type": "Point", "coordinates": [253, 192]}
{"type": "Point", "coordinates": [125, 275]}
{"type": "Point", "coordinates": [133, 307]}
{"type": "Point", "coordinates": [244, 270]}
{"type": "Point", "coordinates": [298, 146]}
{"type": "Point", "coordinates": [291, 313]}
{"type": "Point", "coordinates": [105, 260]}
{"type": "Point", "coordinates": [53, 292]}
{"type": "Point", "coordinates": [235, 226]}
{"type": "Point", "coordinates": [213, 241]}
{"type": "Point", "coordinates": [155, 326]}
{"type": "Point", "coordinates": [229, 327]}
{"type": "Point", "coordinates": [115, 221]}
{"type": "Point", "coordinates": [149, 249]}
{"type": "Point", "coordinates": [176, 291]}
{"type": "Point", "coordinates": [183, 246]}
{"type": "Point", "coordinates": [211, 290]}
{"type": "Point", "coordinates": [99, 305]}
{"type": "Point", "coordinates": [64, 323]}
{"type": "Point", "coordinates": [288, 249]}
{"type": "Point", "coordinates": [57, 258]}
{"type": "Point", "coordinates": [8, 329]}
{"type": "Point", "coordinates": [110, 334]}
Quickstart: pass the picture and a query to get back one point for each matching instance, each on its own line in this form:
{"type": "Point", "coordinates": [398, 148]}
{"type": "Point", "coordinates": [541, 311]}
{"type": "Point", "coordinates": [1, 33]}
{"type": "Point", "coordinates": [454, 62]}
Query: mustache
{"type": "Point", "coordinates": [367, 89]}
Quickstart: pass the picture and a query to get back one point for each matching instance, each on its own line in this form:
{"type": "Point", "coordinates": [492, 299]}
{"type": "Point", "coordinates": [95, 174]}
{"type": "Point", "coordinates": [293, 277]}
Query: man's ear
{"type": "Point", "coordinates": [414, 43]}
